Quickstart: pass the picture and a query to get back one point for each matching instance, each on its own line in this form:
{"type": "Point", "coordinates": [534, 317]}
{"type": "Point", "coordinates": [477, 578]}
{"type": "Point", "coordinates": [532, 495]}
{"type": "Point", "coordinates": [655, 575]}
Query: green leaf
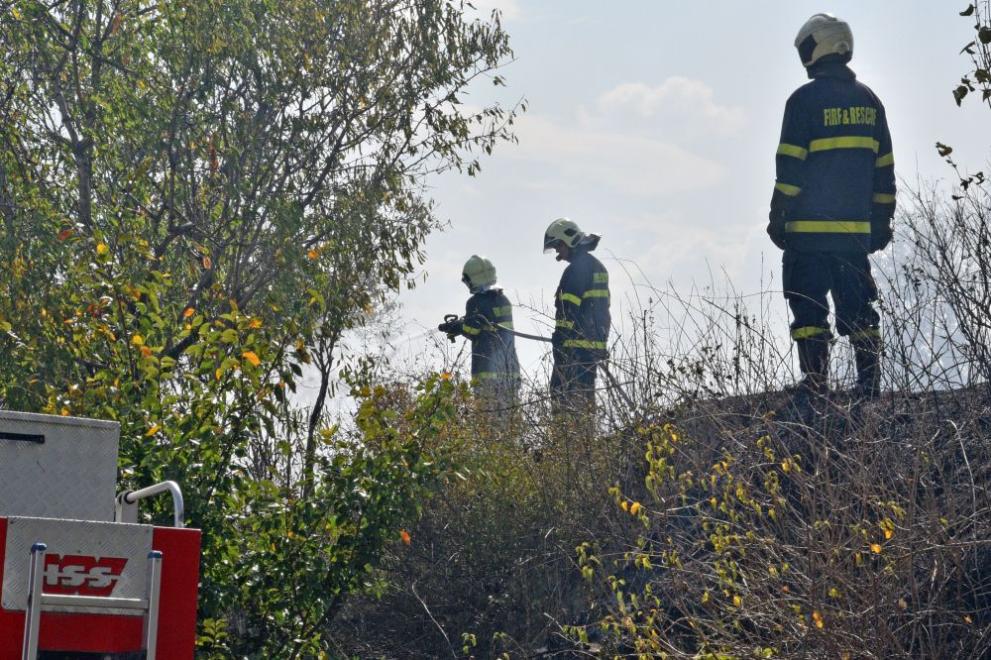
{"type": "Point", "coordinates": [959, 93]}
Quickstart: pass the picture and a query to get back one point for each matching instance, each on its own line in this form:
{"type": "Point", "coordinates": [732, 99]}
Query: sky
{"type": "Point", "coordinates": [655, 124]}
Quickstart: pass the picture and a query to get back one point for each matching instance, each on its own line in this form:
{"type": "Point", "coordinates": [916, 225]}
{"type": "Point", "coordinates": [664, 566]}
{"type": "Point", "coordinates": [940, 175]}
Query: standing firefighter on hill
{"type": "Point", "coordinates": [581, 320]}
{"type": "Point", "coordinates": [488, 324]}
{"type": "Point", "coordinates": [833, 203]}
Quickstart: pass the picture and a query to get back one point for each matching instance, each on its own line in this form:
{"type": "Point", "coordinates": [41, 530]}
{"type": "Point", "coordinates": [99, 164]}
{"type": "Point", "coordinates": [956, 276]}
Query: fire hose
{"type": "Point", "coordinates": [450, 320]}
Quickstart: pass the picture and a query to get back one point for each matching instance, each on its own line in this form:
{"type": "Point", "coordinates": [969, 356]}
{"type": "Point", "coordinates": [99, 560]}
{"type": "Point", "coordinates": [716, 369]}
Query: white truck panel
{"type": "Point", "coordinates": [72, 473]}
{"type": "Point", "coordinates": [83, 558]}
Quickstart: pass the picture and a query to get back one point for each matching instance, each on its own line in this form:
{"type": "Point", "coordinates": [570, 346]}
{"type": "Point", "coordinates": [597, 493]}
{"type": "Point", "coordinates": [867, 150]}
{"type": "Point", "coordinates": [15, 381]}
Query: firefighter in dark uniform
{"type": "Point", "coordinates": [487, 323]}
{"type": "Point", "coordinates": [833, 202]}
{"type": "Point", "coordinates": [581, 319]}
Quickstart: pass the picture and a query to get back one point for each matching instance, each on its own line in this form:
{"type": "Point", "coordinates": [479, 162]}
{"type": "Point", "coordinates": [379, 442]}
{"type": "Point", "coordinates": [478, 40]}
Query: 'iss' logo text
{"type": "Point", "coordinates": [82, 575]}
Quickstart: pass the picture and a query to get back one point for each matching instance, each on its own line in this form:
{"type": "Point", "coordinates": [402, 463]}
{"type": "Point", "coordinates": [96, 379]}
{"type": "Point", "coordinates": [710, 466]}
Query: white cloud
{"type": "Point", "coordinates": [677, 105]}
{"type": "Point", "coordinates": [622, 162]}
{"type": "Point", "coordinates": [510, 9]}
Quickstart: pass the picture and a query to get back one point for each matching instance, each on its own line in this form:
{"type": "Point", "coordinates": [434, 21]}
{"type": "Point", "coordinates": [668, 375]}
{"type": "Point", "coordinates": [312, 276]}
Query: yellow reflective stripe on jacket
{"type": "Point", "coordinates": [562, 323]}
{"type": "Point", "coordinates": [808, 332]}
{"type": "Point", "coordinates": [885, 160]}
{"type": "Point", "coordinates": [883, 198]}
{"type": "Point", "coordinates": [468, 330]}
{"type": "Point", "coordinates": [828, 227]}
{"type": "Point", "coordinates": [600, 278]}
{"type": "Point", "coordinates": [490, 375]}
{"type": "Point", "coordinates": [845, 142]}
{"type": "Point", "coordinates": [785, 149]}
{"type": "Point", "coordinates": [583, 343]}
{"type": "Point", "coordinates": [596, 293]}
{"type": "Point", "coordinates": [571, 298]}
{"type": "Point", "coordinates": [787, 189]}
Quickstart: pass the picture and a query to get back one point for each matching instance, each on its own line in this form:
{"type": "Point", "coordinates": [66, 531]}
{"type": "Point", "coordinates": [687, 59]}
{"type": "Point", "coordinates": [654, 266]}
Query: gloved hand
{"type": "Point", "coordinates": [881, 235]}
{"type": "Point", "coordinates": [451, 326]}
{"type": "Point", "coordinates": [776, 230]}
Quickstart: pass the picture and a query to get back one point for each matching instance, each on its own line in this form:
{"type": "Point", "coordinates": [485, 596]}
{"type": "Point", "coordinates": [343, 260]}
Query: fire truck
{"type": "Point", "coordinates": [80, 578]}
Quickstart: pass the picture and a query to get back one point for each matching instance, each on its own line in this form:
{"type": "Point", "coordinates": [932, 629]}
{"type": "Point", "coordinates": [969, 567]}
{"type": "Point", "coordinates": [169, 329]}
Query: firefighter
{"type": "Point", "coordinates": [833, 201]}
{"type": "Point", "coordinates": [488, 324]}
{"type": "Point", "coordinates": [581, 319]}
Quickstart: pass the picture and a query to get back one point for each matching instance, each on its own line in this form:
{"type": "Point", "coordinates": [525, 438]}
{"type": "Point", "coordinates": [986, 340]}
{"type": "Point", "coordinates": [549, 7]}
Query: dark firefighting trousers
{"type": "Point", "coordinates": [807, 278]}
{"type": "Point", "coordinates": [573, 380]}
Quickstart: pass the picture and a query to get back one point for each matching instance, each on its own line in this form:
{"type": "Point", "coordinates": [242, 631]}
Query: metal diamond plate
{"type": "Point", "coordinates": [74, 537]}
{"type": "Point", "coordinates": [72, 474]}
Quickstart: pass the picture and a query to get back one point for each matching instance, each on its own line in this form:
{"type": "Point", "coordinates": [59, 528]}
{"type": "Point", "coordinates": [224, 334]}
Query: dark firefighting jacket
{"type": "Point", "coordinates": [835, 168]}
{"type": "Point", "coordinates": [493, 349]}
{"type": "Point", "coordinates": [581, 305]}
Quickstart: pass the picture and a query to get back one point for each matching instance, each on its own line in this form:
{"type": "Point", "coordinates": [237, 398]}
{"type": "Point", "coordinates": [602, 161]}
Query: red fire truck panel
{"type": "Point", "coordinates": [78, 569]}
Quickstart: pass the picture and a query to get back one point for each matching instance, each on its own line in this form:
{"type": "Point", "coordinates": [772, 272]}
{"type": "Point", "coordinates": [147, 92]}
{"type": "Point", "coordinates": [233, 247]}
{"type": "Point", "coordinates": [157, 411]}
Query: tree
{"type": "Point", "coordinates": [979, 51]}
{"type": "Point", "coordinates": [199, 197]}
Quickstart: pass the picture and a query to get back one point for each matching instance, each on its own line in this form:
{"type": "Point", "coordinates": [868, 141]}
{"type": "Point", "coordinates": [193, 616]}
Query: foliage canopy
{"type": "Point", "coordinates": [198, 197]}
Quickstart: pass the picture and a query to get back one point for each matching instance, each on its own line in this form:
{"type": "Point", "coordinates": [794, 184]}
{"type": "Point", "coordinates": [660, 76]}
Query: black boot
{"type": "Point", "coordinates": [813, 360]}
{"type": "Point", "coordinates": [867, 352]}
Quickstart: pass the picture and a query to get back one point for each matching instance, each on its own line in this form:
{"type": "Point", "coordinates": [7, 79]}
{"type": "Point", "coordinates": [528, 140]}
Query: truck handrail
{"type": "Point", "coordinates": [127, 502]}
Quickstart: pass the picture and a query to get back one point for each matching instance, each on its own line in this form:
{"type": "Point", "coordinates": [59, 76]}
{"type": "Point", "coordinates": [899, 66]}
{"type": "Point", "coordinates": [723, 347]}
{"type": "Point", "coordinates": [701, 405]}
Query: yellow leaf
{"type": "Point", "coordinates": [445, 376]}
{"type": "Point", "coordinates": [207, 263]}
{"type": "Point", "coordinates": [64, 412]}
{"type": "Point", "coordinates": [312, 255]}
{"type": "Point", "coordinates": [218, 374]}
{"type": "Point", "coordinates": [817, 618]}
{"type": "Point", "coordinates": [888, 534]}
{"type": "Point", "coordinates": [737, 600]}
{"type": "Point", "coordinates": [635, 508]}
{"type": "Point", "coordinates": [254, 324]}
{"type": "Point", "coordinates": [876, 548]}
{"type": "Point", "coordinates": [137, 340]}
{"type": "Point", "coordinates": [101, 248]}
{"type": "Point", "coordinates": [251, 357]}
{"type": "Point", "coordinates": [153, 430]}
{"type": "Point", "coordinates": [404, 535]}
{"type": "Point", "coordinates": [145, 351]}
{"type": "Point", "coordinates": [189, 311]}
{"type": "Point", "coordinates": [624, 505]}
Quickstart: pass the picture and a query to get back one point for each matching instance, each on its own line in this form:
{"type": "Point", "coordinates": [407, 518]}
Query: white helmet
{"type": "Point", "coordinates": [822, 35]}
{"type": "Point", "coordinates": [478, 274]}
{"type": "Point", "coordinates": [565, 231]}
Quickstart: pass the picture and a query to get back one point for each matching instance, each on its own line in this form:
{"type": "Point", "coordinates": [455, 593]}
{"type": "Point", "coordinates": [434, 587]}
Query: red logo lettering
{"type": "Point", "coordinates": [82, 575]}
